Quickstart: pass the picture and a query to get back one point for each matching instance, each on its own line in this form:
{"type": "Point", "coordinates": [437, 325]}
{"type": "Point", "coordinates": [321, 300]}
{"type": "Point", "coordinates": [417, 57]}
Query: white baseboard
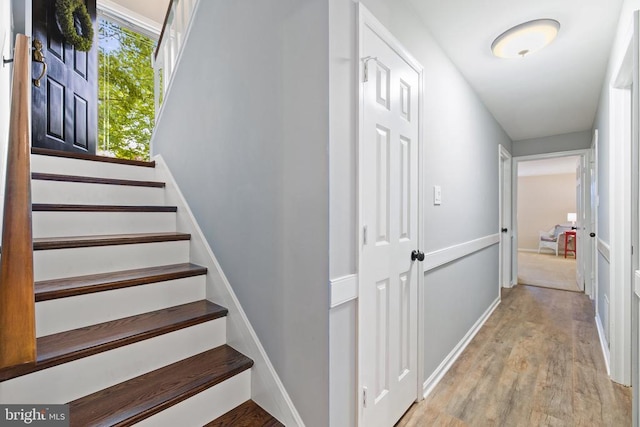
{"type": "Point", "coordinates": [603, 344]}
{"type": "Point", "coordinates": [448, 361]}
{"type": "Point", "coordinates": [527, 250]}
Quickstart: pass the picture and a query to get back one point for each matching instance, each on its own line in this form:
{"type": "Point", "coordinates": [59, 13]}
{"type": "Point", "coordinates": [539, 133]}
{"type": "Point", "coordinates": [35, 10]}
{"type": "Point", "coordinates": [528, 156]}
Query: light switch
{"type": "Point", "coordinates": [437, 195]}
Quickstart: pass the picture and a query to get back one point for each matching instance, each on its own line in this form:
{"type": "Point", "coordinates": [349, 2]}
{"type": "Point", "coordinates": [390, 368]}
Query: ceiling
{"type": "Point", "coordinates": [152, 9]}
{"type": "Point", "coordinates": [551, 92]}
{"type": "Point", "coordinates": [552, 166]}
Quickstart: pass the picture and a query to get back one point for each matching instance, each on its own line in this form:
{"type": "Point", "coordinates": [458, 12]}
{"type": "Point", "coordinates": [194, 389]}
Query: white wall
{"type": "Point", "coordinates": [461, 155]}
{"type": "Point", "coordinates": [543, 201]}
{"type": "Point", "coordinates": [553, 144]}
{"type": "Point", "coordinates": [245, 131]}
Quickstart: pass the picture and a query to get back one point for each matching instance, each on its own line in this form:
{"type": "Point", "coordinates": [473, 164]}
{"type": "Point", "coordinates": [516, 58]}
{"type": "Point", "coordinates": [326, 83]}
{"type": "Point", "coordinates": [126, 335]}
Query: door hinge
{"type": "Point", "coordinates": [364, 397]}
{"type": "Point", "coordinates": [364, 235]}
{"type": "Point", "coordinates": [365, 72]}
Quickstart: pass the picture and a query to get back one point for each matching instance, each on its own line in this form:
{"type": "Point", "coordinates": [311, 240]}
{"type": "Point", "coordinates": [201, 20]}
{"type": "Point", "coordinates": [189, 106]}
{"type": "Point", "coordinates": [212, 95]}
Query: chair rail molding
{"type": "Point", "coordinates": [344, 289]}
{"type": "Point", "coordinates": [444, 256]}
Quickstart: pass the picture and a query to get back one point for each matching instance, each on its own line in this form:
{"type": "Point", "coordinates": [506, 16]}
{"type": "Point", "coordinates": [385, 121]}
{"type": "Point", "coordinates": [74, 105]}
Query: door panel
{"type": "Point", "coordinates": [389, 212]}
{"type": "Point", "coordinates": [64, 107]}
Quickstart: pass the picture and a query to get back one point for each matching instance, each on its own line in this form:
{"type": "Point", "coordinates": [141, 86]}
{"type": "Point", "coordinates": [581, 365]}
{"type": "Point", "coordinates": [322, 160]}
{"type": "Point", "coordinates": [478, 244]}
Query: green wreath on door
{"type": "Point", "coordinates": [66, 11]}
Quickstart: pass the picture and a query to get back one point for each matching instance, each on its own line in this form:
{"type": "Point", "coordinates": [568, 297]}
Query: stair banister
{"type": "Point", "coordinates": [174, 30]}
{"type": "Point", "coordinates": [17, 303]}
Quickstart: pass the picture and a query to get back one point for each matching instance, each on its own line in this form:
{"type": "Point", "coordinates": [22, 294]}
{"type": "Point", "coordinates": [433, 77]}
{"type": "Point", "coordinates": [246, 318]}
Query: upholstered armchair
{"type": "Point", "coordinates": [549, 239]}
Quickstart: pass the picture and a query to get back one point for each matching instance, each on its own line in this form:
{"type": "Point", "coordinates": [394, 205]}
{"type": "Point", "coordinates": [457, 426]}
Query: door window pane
{"type": "Point", "coordinates": [125, 91]}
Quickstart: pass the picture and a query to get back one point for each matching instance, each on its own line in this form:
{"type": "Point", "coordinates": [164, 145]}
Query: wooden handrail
{"type": "Point", "coordinates": [164, 26]}
{"type": "Point", "coordinates": [17, 302]}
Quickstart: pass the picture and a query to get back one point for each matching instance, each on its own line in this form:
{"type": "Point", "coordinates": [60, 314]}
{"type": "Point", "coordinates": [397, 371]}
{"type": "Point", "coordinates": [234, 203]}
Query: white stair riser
{"type": "Point", "coordinates": [78, 378]}
{"type": "Point", "coordinates": [59, 224]}
{"type": "Point", "coordinates": [205, 406]}
{"type": "Point", "coordinates": [94, 194]}
{"type": "Point", "coordinates": [57, 165]}
{"type": "Point", "coordinates": [64, 314]}
{"type": "Point", "coordinates": [59, 263]}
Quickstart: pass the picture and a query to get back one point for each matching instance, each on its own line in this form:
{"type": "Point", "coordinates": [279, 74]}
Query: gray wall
{"type": "Point", "coordinates": [245, 133]}
{"type": "Point", "coordinates": [553, 144]}
{"type": "Point", "coordinates": [461, 155]}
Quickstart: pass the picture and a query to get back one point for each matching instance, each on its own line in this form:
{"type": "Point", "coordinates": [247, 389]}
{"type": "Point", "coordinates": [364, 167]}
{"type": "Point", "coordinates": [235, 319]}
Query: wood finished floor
{"type": "Point", "coordinates": [536, 362]}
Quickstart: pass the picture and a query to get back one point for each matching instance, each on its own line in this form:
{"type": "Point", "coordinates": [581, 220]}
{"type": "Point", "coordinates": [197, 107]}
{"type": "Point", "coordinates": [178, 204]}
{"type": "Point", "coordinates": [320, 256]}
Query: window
{"type": "Point", "coordinates": [125, 90]}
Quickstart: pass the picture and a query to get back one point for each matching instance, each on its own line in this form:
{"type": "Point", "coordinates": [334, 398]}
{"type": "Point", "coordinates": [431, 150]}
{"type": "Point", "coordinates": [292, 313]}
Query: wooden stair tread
{"type": "Point", "coordinates": [51, 207]}
{"type": "Point", "coordinates": [95, 180]}
{"type": "Point", "coordinates": [134, 400]}
{"type": "Point", "coordinates": [249, 414]}
{"type": "Point", "coordinates": [61, 288]}
{"type": "Point", "coordinates": [43, 243]}
{"type": "Point", "coordinates": [71, 345]}
{"type": "Point", "coordinates": [91, 157]}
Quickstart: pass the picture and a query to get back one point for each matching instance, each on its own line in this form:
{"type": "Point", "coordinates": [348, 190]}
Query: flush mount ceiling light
{"type": "Point", "coordinates": [523, 39]}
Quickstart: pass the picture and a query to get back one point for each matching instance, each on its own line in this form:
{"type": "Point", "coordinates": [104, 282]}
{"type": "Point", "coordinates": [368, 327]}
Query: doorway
{"type": "Point", "coordinates": [551, 201]}
{"type": "Point", "coordinates": [98, 101]}
{"type": "Point", "coordinates": [389, 267]}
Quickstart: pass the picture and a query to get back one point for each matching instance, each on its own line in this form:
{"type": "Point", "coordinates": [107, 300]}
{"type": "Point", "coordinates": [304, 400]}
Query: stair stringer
{"type": "Point", "coordinates": [267, 389]}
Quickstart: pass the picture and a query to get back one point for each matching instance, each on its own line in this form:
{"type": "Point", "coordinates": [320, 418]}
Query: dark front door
{"type": "Point", "coordinates": [64, 107]}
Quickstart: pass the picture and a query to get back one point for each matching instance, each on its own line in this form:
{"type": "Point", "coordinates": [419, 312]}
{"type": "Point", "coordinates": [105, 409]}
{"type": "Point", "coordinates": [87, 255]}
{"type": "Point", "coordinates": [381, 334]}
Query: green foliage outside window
{"type": "Point", "coordinates": [125, 92]}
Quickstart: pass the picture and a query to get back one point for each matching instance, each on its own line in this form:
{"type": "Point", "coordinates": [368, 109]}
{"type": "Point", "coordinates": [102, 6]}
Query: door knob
{"type": "Point", "coordinates": [504, 230]}
{"type": "Point", "coordinates": [38, 57]}
{"type": "Point", "coordinates": [417, 255]}
{"type": "Point", "coordinates": [592, 234]}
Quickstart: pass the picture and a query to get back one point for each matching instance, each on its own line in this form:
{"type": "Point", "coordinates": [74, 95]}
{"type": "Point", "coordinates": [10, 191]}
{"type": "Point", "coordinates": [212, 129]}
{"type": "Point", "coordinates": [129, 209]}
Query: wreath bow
{"type": "Point", "coordinates": [66, 10]}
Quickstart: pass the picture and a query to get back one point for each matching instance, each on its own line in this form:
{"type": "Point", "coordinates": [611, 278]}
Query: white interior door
{"type": "Point", "coordinates": [580, 208]}
{"type": "Point", "coordinates": [591, 247]}
{"type": "Point", "coordinates": [506, 226]}
{"type": "Point", "coordinates": [388, 278]}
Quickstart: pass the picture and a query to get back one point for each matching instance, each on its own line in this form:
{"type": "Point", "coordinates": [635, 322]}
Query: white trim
{"type": "Point", "coordinates": [266, 387]}
{"type": "Point", "coordinates": [636, 288]}
{"type": "Point", "coordinates": [344, 289]}
{"type": "Point", "coordinates": [444, 256]}
{"type": "Point", "coordinates": [543, 156]}
{"type": "Point", "coordinates": [112, 9]}
{"type": "Point", "coordinates": [620, 212]}
{"type": "Point", "coordinates": [603, 344]}
{"type": "Point", "coordinates": [604, 250]}
{"type": "Point", "coordinates": [527, 250]}
{"type": "Point", "coordinates": [448, 361]}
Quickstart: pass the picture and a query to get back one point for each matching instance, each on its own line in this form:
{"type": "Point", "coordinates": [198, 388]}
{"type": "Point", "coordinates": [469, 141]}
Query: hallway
{"type": "Point", "coordinates": [537, 361]}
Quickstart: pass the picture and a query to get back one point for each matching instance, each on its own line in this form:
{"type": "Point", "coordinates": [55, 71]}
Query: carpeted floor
{"type": "Point", "coordinates": [547, 271]}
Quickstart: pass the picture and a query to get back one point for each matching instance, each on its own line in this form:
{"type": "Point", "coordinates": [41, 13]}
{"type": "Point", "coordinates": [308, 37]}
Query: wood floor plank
{"type": "Point", "coordinates": [61, 288]}
{"type": "Point", "coordinates": [48, 207]}
{"type": "Point", "coordinates": [536, 362]}
{"type": "Point", "coordinates": [248, 414]}
{"type": "Point", "coordinates": [91, 157]}
{"type": "Point", "coordinates": [71, 345]}
{"type": "Point", "coordinates": [132, 401]}
{"type": "Point", "coordinates": [45, 243]}
{"type": "Point", "coordinates": [95, 180]}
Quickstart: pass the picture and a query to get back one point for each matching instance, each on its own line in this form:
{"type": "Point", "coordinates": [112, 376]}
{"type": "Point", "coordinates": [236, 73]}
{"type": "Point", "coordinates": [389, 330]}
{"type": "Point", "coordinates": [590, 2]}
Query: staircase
{"type": "Point", "coordinates": [125, 333]}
